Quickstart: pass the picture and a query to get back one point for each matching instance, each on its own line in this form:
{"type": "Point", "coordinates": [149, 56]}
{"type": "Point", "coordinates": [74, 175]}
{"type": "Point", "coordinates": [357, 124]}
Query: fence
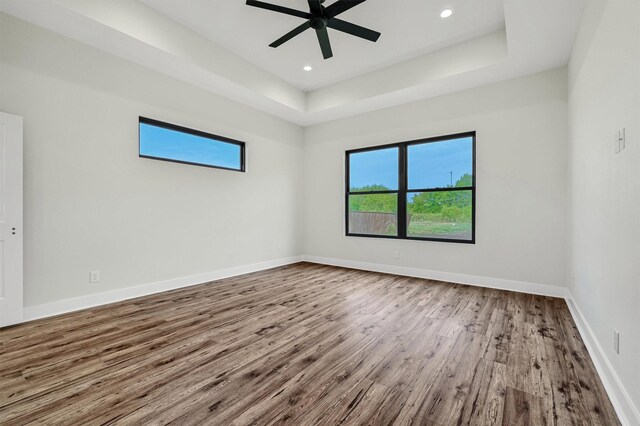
{"type": "Point", "coordinates": [373, 223]}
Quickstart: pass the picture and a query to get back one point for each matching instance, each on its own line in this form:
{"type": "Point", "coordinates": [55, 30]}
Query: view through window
{"type": "Point", "coordinates": [169, 142]}
{"type": "Point", "coordinates": [422, 189]}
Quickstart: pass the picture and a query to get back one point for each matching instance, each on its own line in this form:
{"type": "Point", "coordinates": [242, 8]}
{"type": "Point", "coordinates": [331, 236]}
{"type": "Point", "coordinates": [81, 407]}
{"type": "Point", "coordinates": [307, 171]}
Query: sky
{"type": "Point", "coordinates": [429, 165]}
{"type": "Point", "coordinates": [173, 145]}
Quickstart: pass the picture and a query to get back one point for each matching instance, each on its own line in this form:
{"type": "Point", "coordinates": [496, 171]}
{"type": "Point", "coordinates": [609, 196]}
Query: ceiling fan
{"type": "Point", "coordinates": [319, 18]}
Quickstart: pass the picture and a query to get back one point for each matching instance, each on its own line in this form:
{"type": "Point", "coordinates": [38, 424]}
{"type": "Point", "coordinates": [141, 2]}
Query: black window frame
{"type": "Point", "coordinates": [403, 188]}
{"type": "Point", "coordinates": [194, 132]}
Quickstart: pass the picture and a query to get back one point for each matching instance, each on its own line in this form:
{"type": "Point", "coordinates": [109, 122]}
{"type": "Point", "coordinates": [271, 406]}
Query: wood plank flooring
{"type": "Point", "coordinates": [306, 344]}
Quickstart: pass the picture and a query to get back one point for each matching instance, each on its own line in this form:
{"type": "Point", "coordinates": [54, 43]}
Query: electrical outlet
{"type": "Point", "coordinates": [396, 255]}
{"type": "Point", "coordinates": [616, 341]}
{"type": "Point", "coordinates": [94, 276]}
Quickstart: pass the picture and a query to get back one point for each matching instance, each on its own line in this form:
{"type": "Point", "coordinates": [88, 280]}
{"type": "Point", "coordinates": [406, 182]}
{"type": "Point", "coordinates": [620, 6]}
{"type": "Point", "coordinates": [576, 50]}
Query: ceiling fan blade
{"type": "Point", "coordinates": [281, 9]}
{"type": "Point", "coordinates": [325, 45]}
{"type": "Point", "coordinates": [353, 29]}
{"type": "Point", "coordinates": [291, 34]}
{"type": "Point", "coordinates": [315, 7]}
{"type": "Point", "coordinates": [340, 6]}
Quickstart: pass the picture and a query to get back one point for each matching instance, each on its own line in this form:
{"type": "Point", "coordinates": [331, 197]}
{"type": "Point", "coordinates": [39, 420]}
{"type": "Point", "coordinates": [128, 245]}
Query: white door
{"type": "Point", "coordinates": [10, 219]}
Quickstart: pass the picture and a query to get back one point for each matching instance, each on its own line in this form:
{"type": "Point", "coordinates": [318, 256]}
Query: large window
{"type": "Point", "coordinates": [418, 190]}
{"type": "Point", "coordinates": [168, 142]}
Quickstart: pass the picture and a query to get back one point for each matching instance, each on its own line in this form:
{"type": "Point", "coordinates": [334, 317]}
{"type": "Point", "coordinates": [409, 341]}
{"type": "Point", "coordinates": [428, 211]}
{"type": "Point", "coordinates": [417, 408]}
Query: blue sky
{"type": "Point", "coordinates": [429, 166]}
{"type": "Point", "coordinates": [374, 167]}
{"type": "Point", "coordinates": [174, 145]}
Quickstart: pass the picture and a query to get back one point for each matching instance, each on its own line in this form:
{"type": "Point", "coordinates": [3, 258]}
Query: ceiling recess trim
{"type": "Point", "coordinates": [138, 33]}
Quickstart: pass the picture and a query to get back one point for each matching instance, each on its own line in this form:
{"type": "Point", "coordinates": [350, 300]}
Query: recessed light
{"type": "Point", "coordinates": [307, 68]}
{"type": "Point", "coordinates": [446, 13]}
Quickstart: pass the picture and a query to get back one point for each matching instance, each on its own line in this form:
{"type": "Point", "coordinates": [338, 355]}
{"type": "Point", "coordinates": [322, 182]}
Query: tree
{"type": "Point", "coordinates": [382, 203]}
{"type": "Point", "coordinates": [465, 180]}
{"type": "Point", "coordinates": [444, 205]}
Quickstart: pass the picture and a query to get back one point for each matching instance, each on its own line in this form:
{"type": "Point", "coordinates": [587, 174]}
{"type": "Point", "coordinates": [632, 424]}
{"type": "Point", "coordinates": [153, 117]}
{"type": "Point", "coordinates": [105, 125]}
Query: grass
{"type": "Point", "coordinates": [424, 228]}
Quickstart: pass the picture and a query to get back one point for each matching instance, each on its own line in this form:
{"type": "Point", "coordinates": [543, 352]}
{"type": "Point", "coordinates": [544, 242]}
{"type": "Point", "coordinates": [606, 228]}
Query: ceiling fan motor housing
{"type": "Point", "coordinates": [318, 22]}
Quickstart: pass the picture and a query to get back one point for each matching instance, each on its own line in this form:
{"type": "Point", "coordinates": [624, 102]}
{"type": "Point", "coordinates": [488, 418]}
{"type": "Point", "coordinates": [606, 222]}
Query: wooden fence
{"type": "Point", "coordinates": [372, 223]}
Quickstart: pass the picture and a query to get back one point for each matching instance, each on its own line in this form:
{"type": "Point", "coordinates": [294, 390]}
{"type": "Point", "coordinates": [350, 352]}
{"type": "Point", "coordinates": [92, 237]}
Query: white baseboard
{"type": "Point", "coordinates": [628, 413]}
{"type": "Point", "coordinates": [622, 403]}
{"type": "Point", "coordinates": [479, 281]}
{"type": "Point", "coordinates": [97, 299]}
{"type": "Point", "coordinates": [103, 298]}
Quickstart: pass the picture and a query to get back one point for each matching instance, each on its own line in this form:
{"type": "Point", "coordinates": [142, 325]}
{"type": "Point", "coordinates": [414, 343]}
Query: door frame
{"type": "Point", "coordinates": [11, 302]}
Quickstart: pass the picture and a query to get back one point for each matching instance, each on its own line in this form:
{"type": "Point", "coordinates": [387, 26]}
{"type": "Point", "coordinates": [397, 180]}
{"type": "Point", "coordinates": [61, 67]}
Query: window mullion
{"type": "Point", "coordinates": [402, 191]}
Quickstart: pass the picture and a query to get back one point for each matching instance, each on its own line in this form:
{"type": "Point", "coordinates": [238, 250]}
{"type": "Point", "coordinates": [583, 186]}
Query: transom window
{"type": "Point", "coordinates": [418, 190]}
{"type": "Point", "coordinates": [169, 142]}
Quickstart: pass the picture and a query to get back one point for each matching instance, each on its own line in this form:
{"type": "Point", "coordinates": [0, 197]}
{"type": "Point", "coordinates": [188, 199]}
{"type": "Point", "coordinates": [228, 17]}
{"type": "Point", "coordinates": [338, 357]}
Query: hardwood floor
{"type": "Point", "coordinates": [306, 344]}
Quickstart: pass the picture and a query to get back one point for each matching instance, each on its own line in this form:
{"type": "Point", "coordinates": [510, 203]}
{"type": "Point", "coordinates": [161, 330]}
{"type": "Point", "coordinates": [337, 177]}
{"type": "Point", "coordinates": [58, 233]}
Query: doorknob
{"type": "Point", "coordinates": [13, 231]}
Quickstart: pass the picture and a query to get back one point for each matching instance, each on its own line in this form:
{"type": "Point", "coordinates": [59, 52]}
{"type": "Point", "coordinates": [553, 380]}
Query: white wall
{"type": "Point", "coordinates": [604, 96]}
{"type": "Point", "coordinates": [92, 204]}
{"type": "Point", "coordinates": [521, 180]}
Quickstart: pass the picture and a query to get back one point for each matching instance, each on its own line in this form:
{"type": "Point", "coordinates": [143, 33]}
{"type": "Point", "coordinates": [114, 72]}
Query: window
{"type": "Point", "coordinates": [168, 142]}
{"type": "Point", "coordinates": [418, 190]}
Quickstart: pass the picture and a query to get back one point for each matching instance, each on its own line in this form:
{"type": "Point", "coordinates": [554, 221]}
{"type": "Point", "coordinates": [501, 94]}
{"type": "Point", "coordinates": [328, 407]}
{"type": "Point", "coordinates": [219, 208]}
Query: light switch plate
{"type": "Point", "coordinates": [620, 141]}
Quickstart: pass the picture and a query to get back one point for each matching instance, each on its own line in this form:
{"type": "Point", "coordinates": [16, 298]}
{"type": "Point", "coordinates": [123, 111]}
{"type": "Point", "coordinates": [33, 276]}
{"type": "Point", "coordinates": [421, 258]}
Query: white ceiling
{"type": "Point", "coordinates": [409, 28]}
{"type": "Point", "coordinates": [222, 46]}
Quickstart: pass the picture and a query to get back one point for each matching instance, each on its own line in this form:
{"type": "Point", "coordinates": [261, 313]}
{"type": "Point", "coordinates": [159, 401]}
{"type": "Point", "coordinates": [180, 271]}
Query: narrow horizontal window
{"type": "Point", "coordinates": [168, 142]}
{"type": "Point", "coordinates": [418, 190]}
